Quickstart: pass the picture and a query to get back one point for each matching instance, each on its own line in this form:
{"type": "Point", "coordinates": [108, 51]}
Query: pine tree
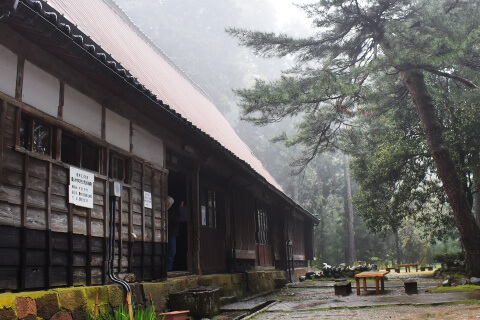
{"type": "Point", "coordinates": [358, 42]}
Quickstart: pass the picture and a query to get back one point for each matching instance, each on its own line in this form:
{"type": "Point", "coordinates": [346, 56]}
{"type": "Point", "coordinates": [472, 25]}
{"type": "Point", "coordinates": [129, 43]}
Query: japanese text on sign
{"type": "Point", "coordinates": [147, 199]}
{"type": "Point", "coordinates": [80, 190]}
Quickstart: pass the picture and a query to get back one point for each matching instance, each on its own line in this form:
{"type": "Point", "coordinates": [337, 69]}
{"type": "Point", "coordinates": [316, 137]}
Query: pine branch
{"type": "Point", "coordinates": [465, 81]}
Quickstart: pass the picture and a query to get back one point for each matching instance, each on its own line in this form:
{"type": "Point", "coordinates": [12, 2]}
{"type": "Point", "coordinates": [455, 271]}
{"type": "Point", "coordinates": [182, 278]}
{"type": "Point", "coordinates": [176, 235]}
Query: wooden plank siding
{"type": "Point", "coordinates": [48, 242]}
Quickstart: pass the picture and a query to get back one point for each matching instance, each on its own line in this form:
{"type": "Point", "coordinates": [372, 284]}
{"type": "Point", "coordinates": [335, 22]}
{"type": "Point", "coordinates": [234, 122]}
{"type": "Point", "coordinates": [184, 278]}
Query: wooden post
{"type": "Point", "coordinates": [96, 307]}
{"type": "Point", "coordinates": [19, 84]}
{"type": "Point", "coordinates": [23, 242]}
{"type": "Point", "coordinates": [196, 220]}
{"type": "Point", "coordinates": [143, 223]}
{"type": "Point", "coordinates": [129, 305]}
{"type": "Point", "coordinates": [3, 114]}
{"type": "Point", "coordinates": [48, 255]}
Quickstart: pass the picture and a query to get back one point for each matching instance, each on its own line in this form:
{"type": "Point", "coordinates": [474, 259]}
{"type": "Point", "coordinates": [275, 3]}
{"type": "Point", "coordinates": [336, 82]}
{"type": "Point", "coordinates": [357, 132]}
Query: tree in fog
{"type": "Point", "coordinates": [417, 42]}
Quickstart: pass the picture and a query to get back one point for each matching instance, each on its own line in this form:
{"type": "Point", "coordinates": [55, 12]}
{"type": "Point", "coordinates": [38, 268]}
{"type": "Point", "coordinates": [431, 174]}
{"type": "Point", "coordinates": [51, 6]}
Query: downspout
{"type": "Point", "coordinates": [115, 191]}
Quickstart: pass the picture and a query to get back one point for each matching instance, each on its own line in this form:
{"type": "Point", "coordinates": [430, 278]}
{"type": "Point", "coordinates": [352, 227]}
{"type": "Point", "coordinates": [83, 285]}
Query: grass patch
{"type": "Point", "coordinates": [462, 288]}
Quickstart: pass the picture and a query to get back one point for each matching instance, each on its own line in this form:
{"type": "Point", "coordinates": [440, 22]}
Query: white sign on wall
{"type": "Point", "coordinates": [80, 190]}
{"type": "Point", "coordinates": [203, 210]}
{"type": "Point", "coordinates": [147, 199]}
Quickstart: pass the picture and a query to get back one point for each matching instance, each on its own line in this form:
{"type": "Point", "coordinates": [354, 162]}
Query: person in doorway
{"type": "Point", "coordinates": [173, 223]}
{"type": "Point", "coordinates": [175, 216]}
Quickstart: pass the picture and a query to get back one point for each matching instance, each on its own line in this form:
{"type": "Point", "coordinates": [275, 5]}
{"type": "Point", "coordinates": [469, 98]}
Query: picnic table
{"type": "Point", "coordinates": [378, 275]}
{"type": "Point", "coordinates": [407, 266]}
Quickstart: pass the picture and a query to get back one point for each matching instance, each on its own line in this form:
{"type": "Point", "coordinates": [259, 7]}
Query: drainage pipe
{"type": "Point", "coordinates": [111, 250]}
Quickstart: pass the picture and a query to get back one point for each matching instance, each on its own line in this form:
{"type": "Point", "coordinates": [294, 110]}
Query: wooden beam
{"type": "Point", "coordinates": [48, 218]}
{"type": "Point", "coordinates": [143, 221]}
{"type": "Point", "coordinates": [23, 242]}
{"type": "Point", "coordinates": [104, 122]}
{"type": "Point", "coordinates": [196, 221]}
{"type": "Point", "coordinates": [152, 181]}
{"type": "Point", "coordinates": [61, 100]}
{"type": "Point", "coordinates": [130, 229]}
{"type": "Point", "coordinates": [3, 114]}
{"type": "Point", "coordinates": [106, 208]}
{"type": "Point", "coordinates": [20, 74]}
{"type": "Point", "coordinates": [89, 247]}
{"type": "Point", "coordinates": [70, 245]}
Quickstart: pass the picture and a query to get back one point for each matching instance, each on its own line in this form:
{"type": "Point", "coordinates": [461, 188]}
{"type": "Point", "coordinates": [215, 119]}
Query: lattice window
{"type": "Point", "coordinates": [262, 225]}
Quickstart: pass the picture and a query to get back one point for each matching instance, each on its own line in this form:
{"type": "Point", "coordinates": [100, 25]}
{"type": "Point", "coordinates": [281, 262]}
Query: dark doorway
{"type": "Point", "coordinates": [177, 189]}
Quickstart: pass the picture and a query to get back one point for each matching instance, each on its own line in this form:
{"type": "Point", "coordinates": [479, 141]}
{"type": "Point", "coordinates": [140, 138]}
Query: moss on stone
{"type": "Point", "coordinates": [71, 298]}
{"type": "Point", "coordinates": [461, 288]}
{"type": "Point", "coordinates": [91, 293]}
{"type": "Point", "coordinates": [115, 296]}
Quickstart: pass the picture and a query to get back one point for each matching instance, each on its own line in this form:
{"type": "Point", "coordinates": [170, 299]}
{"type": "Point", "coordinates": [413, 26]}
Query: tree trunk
{"type": "Point", "coordinates": [397, 248]}
{"type": "Point", "coordinates": [476, 188]}
{"type": "Point", "coordinates": [452, 184]}
{"type": "Point", "coordinates": [351, 255]}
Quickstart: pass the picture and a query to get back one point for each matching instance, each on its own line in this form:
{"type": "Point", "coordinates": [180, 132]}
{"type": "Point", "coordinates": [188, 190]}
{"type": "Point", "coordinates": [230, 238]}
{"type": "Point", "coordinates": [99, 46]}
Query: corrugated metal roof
{"type": "Point", "coordinates": [101, 21]}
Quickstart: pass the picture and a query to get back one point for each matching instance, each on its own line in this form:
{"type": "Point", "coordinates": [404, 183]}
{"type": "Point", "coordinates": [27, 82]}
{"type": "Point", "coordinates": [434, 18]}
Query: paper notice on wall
{"type": "Point", "coordinates": [203, 210]}
{"type": "Point", "coordinates": [147, 199]}
{"type": "Point", "coordinates": [80, 190]}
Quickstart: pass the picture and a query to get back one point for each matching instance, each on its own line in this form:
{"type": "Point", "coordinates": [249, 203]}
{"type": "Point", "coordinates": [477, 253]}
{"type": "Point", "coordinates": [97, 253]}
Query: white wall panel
{"type": "Point", "coordinates": [8, 71]}
{"type": "Point", "coordinates": [117, 130]}
{"type": "Point", "coordinates": [83, 112]}
{"type": "Point", "coordinates": [40, 89]}
{"type": "Point", "coordinates": [147, 146]}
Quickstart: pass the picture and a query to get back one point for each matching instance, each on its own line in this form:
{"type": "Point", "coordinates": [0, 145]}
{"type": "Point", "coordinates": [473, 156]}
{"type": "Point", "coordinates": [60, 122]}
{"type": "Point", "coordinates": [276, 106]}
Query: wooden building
{"type": "Point", "coordinates": [86, 99]}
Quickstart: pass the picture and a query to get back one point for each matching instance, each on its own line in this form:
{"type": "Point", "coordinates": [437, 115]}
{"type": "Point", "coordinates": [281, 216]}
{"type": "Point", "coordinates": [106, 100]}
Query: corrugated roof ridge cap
{"type": "Point", "coordinates": [124, 16]}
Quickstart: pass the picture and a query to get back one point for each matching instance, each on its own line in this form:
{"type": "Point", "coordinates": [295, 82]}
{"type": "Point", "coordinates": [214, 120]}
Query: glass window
{"type": "Point", "coordinates": [208, 208]}
{"type": "Point", "coordinates": [36, 132]}
{"type": "Point", "coordinates": [41, 138]}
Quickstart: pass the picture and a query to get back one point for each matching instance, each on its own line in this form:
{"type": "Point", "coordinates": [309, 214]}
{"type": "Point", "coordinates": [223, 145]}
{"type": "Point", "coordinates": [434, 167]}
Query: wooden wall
{"type": "Point", "coordinates": [244, 212]}
{"type": "Point", "coordinates": [47, 242]}
{"type": "Point", "coordinates": [296, 230]}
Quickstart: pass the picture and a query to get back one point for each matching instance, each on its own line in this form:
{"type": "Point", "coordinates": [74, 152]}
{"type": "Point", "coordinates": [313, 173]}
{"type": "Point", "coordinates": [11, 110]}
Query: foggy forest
{"type": "Point", "coordinates": [382, 156]}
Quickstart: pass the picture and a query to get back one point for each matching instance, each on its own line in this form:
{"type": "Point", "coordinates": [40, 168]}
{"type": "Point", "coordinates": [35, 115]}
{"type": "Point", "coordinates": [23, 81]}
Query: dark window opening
{"type": "Point", "coordinates": [79, 153]}
{"type": "Point", "coordinates": [69, 150]}
{"type": "Point", "coordinates": [117, 168]}
{"type": "Point", "coordinates": [90, 157]}
{"type": "Point", "coordinates": [25, 133]}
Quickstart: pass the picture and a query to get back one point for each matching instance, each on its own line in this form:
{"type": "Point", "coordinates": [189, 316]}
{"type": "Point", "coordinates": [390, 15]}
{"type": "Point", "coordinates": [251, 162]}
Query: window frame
{"type": "Point", "coordinates": [208, 199]}
{"type": "Point", "coordinates": [32, 121]}
{"type": "Point", "coordinates": [126, 166]}
{"type": "Point", "coordinates": [262, 231]}
{"type": "Point", "coordinates": [56, 133]}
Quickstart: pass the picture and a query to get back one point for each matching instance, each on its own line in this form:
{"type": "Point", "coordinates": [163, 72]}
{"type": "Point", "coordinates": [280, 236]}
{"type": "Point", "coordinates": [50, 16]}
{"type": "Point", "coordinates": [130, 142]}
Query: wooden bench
{"type": "Point", "coordinates": [342, 288]}
{"type": "Point", "coordinates": [407, 266]}
{"type": "Point", "coordinates": [410, 286]}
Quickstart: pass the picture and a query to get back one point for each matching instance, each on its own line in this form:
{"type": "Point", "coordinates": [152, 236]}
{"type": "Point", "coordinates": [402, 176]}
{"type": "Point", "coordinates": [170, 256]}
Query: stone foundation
{"type": "Point", "coordinates": [73, 303]}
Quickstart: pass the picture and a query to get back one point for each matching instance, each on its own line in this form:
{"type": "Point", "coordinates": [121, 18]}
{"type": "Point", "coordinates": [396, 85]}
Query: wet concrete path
{"type": "Point", "coordinates": [312, 297]}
